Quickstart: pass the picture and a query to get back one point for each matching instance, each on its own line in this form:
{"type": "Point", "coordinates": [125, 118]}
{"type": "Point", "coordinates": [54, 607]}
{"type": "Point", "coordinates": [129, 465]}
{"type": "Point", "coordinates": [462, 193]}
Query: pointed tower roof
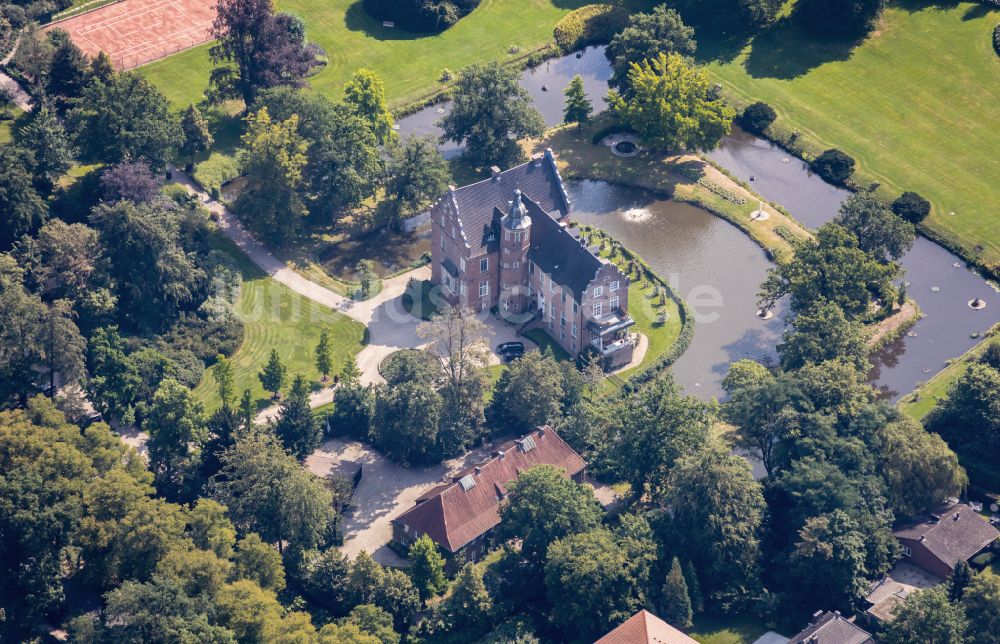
{"type": "Point", "coordinates": [517, 214]}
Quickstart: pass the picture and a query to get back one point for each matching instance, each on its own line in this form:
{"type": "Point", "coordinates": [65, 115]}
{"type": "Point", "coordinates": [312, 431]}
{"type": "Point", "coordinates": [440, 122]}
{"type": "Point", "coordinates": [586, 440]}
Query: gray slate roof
{"type": "Point", "coordinates": [957, 534]}
{"type": "Point", "coordinates": [557, 252]}
{"type": "Point", "coordinates": [831, 628]}
{"type": "Point", "coordinates": [537, 179]}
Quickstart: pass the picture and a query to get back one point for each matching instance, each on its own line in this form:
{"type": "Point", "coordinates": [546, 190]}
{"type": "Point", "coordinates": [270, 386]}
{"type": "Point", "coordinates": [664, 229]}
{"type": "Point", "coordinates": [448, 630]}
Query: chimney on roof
{"type": "Point", "coordinates": [922, 537]}
{"type": "Point", "coordinates": [478, 470]}
{"type": "Point", "coordinates": [495, 173]}
{"type": "Point", "coordinates": [500, 453]}
{"type": "Point", "coordinates": [541, 430]}
{"type": "Point", "coordinates": [957, 516]}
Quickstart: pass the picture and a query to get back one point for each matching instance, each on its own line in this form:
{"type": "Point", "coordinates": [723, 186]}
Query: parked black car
{"type": "Point", "coordinates": [509, 351]}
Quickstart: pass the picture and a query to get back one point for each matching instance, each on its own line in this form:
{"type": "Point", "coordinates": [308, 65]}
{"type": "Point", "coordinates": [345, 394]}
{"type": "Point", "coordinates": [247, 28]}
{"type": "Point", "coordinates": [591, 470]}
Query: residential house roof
{"type": "Point", "coordinates": [832, 628]}
{"type": "Point", "coordinates": [645, 628]}
{"type": "Point", "coordinates": [477, 203]}
{"type": "Point", "coordinates": [903, 579]}
{"type": "Point", "coordinates": [953, 532]}
{"type": "Point", "coordinates": [454, 514]}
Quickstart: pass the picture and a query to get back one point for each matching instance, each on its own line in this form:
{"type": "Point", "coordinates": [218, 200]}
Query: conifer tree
{"type": "Point", "coordinates": [694, 588]}
{"type": "Point", "coordinates": [324, 359]}
{"type": "Point", "coordinates": [247, 410]}
{"type": "Point", "coordinates": [197, 138]}
{"type": "Point", "coordinates": [676, 602]}
{"type": "Point", "coordinates": [296, 425]}
{"type": "Point", "coordinates": [224, 379]}
{"type": "Point", "coordinates": [960, 578]}
{"type": "Point", "coordinates": [427, 568]}
{"type": "Point", "coordinates": [578, 106]}
{"type": "Point", "coordinates": [274, 374]}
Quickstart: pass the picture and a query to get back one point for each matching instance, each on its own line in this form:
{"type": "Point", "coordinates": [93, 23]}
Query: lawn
{"type": "Point", "coordinates": [275, 317]}
{"type": "Point", "coordinates": [409, 64]}
{"type": "Point", "coordinates": [729, 629]}
{"type": "Point", "coordinates": [916, 104]}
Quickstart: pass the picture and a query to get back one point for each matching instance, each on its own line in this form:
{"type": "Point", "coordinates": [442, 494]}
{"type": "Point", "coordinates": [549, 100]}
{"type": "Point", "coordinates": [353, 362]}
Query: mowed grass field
{"type": "Point", "coordinates": [275, 317]}
{"type": "Point", "coordinates": [917, 104]}
{"type": "Point", "coordinates": [410, 64]}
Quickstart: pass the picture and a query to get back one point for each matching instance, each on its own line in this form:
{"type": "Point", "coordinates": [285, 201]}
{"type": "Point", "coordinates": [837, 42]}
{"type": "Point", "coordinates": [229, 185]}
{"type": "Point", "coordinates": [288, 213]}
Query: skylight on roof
{"type": "Point", "coordinates": [467, 482]}
{"type": "Point", "coordinates": [527, 444]}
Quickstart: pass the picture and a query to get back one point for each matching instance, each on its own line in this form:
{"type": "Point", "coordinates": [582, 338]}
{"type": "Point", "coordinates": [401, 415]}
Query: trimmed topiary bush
{"type": "Point", "coordinates": [757, 117]}
{"type": "Point", "coordinates": [420, 16]}
{"type": "Point", "coordinates": [911, 207]}
{"type": "Point", "coordinates": [591, 24]}
{"type": "Point", "coordinates": [833, 166]}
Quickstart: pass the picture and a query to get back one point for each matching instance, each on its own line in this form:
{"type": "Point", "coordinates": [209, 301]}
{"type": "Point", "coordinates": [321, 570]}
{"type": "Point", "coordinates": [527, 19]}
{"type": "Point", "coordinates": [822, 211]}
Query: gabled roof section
{"type": "Point", "coordinates": [953, 532]}
{"type": "Point", "coordinates": [645, 628]}
{"type": "Point", "coordinates": [470, 505]}
{"type": "Point", "coordinates": [832, 628]}
{"type": "Point", "coordinates": [538, 179]}
{"type": "Point", "coordinates": [556, 251]}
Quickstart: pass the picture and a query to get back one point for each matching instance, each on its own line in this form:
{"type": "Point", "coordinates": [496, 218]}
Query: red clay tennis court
{"type": "Point", "coordinates": [135, 32]}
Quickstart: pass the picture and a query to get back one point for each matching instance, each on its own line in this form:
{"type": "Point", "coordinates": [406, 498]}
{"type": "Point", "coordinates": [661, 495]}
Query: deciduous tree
{"type": "Point", "coordinates": [273, 158]}
{"type": "Point", "coordinates": [822, 332]}
{"type": "Point", "coordinates": [490, 112]}
{"type": "Point", "coordinates": [50, 148]}
{"type": "Point", "coordinates": [543, 505]}
{"type": "Point", "coordinates": [125, 118]}
{"type": "Point", "coordinates": [365, 95]}
{"type": "Point", "coordinates": [671, 106]}
{"type": "Point", "coordinates": [257, 49]}
{"type": "Point", "coordinates": [528, 394]}
{"type": "Point", "coordinates": [426, 568]}
{"type": "Point", "coordinates": [646, 36]}
{"type": "Point", "coordinates": [926, 616]}
{"type": "Point", "coordinates": [880, 231]}
{"type": "Point", "coordinates": [416, 174]}
{"type": "Point", "coordinates": [22, 209]}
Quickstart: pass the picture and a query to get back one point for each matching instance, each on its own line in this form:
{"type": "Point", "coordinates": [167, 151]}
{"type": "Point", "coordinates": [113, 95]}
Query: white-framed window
{"type": "Point", "coordinates": [562, 320]}
{"type": "Point", "coordinates": [442, 242]}
{"type": "Point", "coordinates": [562, 335]}
{"type": "Point", "coordinates": [576, 307]}
{"type": "Point", "coordinates": [905, 550]}
{"type": "Point", "coordinates": [573, 331]}
{"type": "Point", "coordinates": [461, 263]}
{"type": "Point", "coordinates": [461, 288]}
{"type": "Point", "coordinates": [484, 288]}
{"type": "Point", "coordinates": [552, 285]}
{"type": "Point", "coordinates": [506, 235]}
{"type": "Point", "coordinates": [506, 251]}
{"type": "Point", "coordinates": [552, 310]}
{"type": "Point", "coordinates": [517, 236]}
{"type": "Point", "coordinates": [598, 310]}
{"type": "Point", "coordinates": [615, 285]}
{"type": "Point", "coordinates": [484, 265]}
{"type": "Point", "coordinates": [598, 291]}
{"type": "Point", "coordinates": [516, 264]}
{"type": "Point", "coordinates": [573, 345]}
{"type": "Point", "coordinates": [614, 302]}
{"type": "Point", "coordinates": [506, 264]}
{"type": "Point", "coordinates": [531, 267]}
{"type": "Point", "coordinates": [562, 297]}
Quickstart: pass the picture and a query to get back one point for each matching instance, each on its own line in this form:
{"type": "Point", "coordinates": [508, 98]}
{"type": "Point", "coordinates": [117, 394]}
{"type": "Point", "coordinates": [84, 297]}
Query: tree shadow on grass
{"type": "Point", "coordinates": [357, 19]}
{"type": "Point", "coordinates": [978, 11]}
{"type": "Point", "coordinates": [784, 51]}
{"type": "Point", "coordinates": [720, 48]}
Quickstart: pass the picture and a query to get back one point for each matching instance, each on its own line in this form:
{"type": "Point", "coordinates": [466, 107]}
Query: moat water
{"type": "Point", "coordinates": [718, 270]}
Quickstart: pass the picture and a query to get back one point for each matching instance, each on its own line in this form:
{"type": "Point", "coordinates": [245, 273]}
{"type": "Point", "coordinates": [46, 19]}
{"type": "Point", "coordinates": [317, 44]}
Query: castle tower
{"type": "Point", "coordinates": [515, 239]}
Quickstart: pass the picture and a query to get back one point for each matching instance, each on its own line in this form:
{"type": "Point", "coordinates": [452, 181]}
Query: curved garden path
{"type": "Point", "coordinates": [17, 93]}
{"type": "Point", "coordinates": [390, 327]}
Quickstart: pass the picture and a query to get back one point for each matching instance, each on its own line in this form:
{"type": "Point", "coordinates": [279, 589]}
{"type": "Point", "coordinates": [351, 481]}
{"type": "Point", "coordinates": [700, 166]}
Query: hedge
{"type": "Point", "coordinates": [592, 24]}
{"type": "Point", "coordinates": [216, 170]}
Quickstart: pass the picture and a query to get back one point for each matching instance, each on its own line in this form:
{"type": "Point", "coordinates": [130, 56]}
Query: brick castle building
{"type": "Point", "coordinates": [504, 245]}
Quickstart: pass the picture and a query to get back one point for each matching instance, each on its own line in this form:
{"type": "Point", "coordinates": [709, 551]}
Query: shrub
{"type": "Point", "coordinates": [757, 117]}
{"type": "Point", "coordinates": [911, 207]}
{"type": "Point", "coordinates": [591, 24]}
{"type": "Point", "coordinates": [833, 166]}
{"type": "Point", "coordinates": [996, 39]}
{"type": "Point", "coordinates": [216, 170]}
{"type": "Point", "coordinates": [420, 16]}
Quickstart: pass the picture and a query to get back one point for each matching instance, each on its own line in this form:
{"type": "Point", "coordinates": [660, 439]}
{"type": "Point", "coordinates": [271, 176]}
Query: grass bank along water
{"type": "Point", "coordinates": [916, 104]}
